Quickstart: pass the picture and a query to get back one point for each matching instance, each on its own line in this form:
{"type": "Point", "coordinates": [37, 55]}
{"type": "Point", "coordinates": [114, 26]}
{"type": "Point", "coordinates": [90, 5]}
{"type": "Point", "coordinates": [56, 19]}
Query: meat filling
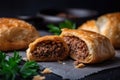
{"type": "Point", "coordinates": [49, 49]}
{"type": "Point", "coordinates": [77, 47]}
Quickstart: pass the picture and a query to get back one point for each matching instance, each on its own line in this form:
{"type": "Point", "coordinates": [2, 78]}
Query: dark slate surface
{"type": "Point", "coordinates": [108, 70]}
{"type": "Point", "coordinates": [90, 72]}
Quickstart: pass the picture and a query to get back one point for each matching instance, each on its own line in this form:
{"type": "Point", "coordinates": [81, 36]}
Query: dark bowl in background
{"type": "Point", "coordinates": [82, 13]}
{"type": "Point", "coordinates": [50, 15]}
{"type": "Point", "coordinates": [37, 22]}
{"type": "Point", "coordinates": [56, 16]}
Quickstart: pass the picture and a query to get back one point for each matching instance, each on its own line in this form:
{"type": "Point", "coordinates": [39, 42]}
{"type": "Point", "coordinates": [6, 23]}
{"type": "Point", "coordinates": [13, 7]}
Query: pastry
{"type": "Point", "coordinates": [16, 34]}
{"type": "Point", "coordinates": [107, 25]}
{"type": "Point", "coordinates": [87, 46]}
{"type": "Point", "coordinates": [48, 48]}
{"type": "Point", "coordinates": [89, 25]}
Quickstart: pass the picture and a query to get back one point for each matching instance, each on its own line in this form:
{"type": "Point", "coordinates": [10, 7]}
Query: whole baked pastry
{"type": "Point", "coordinates": [107, 25]}
{"type": "Point", "coordinates": [48, 48]}
{"type": "Point", "coordinates": [87, 46]}
{"type": "Point", "coordinates": [90, 25]}
{"type": "Point", "coordinates": [16, 34]}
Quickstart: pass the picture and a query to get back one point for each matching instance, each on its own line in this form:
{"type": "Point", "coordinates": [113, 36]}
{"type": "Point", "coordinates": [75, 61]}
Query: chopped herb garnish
{"type": "Point", "coordinates": [57, 29]}
{"type": "Point", "coordinates": [10, 68]}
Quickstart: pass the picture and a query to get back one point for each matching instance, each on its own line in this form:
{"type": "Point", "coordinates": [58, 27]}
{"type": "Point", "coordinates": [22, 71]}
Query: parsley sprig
{"type": "Point", "coordinates": [57, 29]}
{"type": "Point", "coordinates": [10, 67]}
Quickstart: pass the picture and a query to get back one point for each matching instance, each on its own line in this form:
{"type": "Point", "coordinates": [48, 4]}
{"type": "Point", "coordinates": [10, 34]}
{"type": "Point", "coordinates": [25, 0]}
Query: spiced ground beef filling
{"type": "Point", "coordinates": [77, 47]}
{"type": "Point", "coordinates": [48, 49]}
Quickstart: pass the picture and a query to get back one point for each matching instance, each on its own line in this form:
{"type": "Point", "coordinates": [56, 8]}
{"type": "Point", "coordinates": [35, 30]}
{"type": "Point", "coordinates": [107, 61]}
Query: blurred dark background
{"type": "Point", "coordinates": [18, 8]}
{"type": "Point", "coordinates": [11, 8]}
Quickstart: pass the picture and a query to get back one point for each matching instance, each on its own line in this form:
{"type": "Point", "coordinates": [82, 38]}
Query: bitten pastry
{"type": "Point", "coordinates": [107, 25]}
{"type": "Point", "coordinates": [48, 48]}
{"type": "Point", "coordinates": [16, 34]}
{"type": "Point", "coordinates": [87, 47]}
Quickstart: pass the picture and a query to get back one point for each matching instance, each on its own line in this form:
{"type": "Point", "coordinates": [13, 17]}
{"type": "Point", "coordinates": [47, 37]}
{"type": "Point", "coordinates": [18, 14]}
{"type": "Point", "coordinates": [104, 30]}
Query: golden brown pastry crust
{"type": "Point", "coordinates": [43, 39]}
{"type": "Point", "coordinates": [99, 46]}
{"type": "Point", "coordinates": [107, 25]}
{"type": "Point", "coordinates": [89, 25]}
{"type": "Point", "coordinates": [16, 34]}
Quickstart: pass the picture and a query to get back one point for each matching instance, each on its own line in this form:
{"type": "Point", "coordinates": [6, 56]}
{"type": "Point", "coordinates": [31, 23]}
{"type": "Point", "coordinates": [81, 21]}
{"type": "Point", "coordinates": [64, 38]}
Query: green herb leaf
{"type": "Point", "coordinates": [17, 58]}
{"type": "Point", "coordinates": [57, 29]}
{"type": "Point", "coordinates": [2, 57]}
{"type": "Point", "coordinates": [54, 29]}
{"type": "Point", "coordinates": [29, 69]}
{"type": "Point", "coordinates": [10, 68]}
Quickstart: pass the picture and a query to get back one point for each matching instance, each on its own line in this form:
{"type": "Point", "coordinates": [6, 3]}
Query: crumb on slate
{"type": "Point", "coordinates": [24, 58]}
{"type": "Point", "coordinates": [60, 62]}
{"type": "Point", "coordinates": [78, 64]}
{"type": "Point", "coordinates": [46, 71]}
{"type": "Point", "coordinates": [81, 65]}
{"type": "Point", "coordinates": [38, 77]}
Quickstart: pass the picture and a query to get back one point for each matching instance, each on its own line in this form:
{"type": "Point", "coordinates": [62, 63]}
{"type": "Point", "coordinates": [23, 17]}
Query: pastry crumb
{"type": "Point", "coordinates": [24, 58]}
{"type": "Point", "coordinates": [63, 63]}
{"type": "Point", "coordinates": [60, 62]}
{"type": "Point", "coordinates": [78, 64]}
{"type": "Point", "coordinates": [46, 71]}
{"type": "Point", "coordinates": [38, 77]}
{"type": "Point", "coordinates": [81, 65]}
